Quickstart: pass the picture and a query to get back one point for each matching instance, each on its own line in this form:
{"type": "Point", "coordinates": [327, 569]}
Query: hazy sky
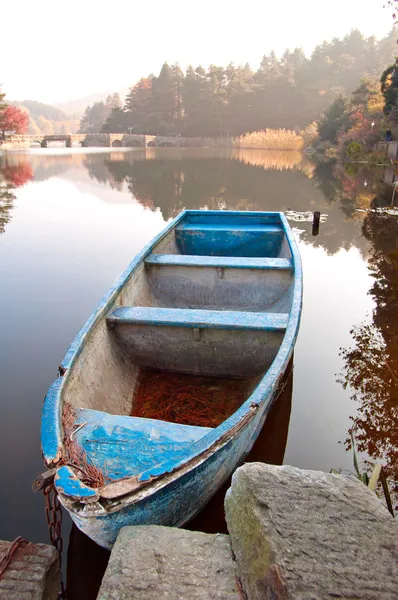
{"type": "Point", "coordinates": [56, 51]}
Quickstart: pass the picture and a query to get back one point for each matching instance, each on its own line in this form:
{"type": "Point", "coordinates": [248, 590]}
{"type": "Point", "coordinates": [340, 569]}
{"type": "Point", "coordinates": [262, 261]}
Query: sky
{"type": "Point", "coordinates": [58, 51]}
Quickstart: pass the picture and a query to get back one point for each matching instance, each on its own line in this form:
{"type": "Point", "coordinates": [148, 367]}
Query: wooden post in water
{"type": "Point", "coordinates": [315, 222]}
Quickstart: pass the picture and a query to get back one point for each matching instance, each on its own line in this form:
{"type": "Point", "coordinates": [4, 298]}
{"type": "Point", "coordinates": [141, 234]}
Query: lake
{"type": "Point", "coordinates": [70, 222]}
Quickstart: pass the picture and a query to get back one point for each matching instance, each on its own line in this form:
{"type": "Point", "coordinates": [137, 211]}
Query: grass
{"type": "Point", "coordinates": [377, 475]}
{"type": "Point", "coordinates": [271, 139]}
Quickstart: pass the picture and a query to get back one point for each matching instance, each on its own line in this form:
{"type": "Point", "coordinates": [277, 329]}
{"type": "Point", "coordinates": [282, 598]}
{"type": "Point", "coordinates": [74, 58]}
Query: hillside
{"type": "Point", "coordinates": [47, 119]}
{"type": "Point", "coordinates": [77, 107]}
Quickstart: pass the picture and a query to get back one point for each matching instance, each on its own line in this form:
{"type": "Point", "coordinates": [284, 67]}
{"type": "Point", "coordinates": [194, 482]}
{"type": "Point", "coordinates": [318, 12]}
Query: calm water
{"type": "Point", "coordinates": [72, 220]}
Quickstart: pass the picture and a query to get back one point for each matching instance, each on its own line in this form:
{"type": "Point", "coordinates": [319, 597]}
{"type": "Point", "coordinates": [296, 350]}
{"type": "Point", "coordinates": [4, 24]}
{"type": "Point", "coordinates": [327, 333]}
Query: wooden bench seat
{"type": "Point", "coordinates": [223, 262]}
{"type": "Point", "coordinates": [201, 319]}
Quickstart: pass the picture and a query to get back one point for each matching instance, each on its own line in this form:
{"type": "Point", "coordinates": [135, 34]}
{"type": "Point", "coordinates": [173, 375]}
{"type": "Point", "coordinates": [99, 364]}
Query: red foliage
{"type": "Point", "coordinates": [17, 175]}
{"type": "Point", "coordinates": [14, 119]}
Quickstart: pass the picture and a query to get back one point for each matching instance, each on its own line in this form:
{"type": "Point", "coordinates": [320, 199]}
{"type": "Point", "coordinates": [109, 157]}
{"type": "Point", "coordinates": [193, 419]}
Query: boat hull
{"type": "Point", "coordinates": [178, 502]}
{"type": "Point", "coordinates": [215, 294]}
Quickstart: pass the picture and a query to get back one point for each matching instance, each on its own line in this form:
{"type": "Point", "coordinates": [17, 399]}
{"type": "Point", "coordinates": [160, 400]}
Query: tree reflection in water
{"type": "Point", "coordinates": [6, 203]}
{"type": "Point", "coordinates": [371, 364]}
{"type": "Point", "coordinates": [14, 173]}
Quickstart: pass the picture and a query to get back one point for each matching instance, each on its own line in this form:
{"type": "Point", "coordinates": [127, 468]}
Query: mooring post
{"type": "Point", "coordinates": [315, 222]}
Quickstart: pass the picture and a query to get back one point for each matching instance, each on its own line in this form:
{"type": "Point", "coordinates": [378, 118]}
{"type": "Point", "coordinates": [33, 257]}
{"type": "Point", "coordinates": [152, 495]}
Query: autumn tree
{"type": "Point", "coordinates": [45, 126]}
{"type": "Point", "coordinates": [2, 103]}
{"type": "Point", "coordinates": [14, 119]}
{"type": "Point", "coordinates": [335, 119]}
{"type": "Point", "coordinates": [34, 129]}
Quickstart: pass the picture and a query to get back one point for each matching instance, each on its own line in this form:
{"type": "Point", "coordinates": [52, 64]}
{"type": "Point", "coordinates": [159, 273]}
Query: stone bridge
{"type": "Point", "coordinates": [112, 140]}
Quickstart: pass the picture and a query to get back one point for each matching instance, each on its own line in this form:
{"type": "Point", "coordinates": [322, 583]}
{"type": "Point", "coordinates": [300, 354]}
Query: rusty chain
{"type": "Point", "coordinates": [5, 560]}
{"type": "Point", "coordinates": [53, 512]}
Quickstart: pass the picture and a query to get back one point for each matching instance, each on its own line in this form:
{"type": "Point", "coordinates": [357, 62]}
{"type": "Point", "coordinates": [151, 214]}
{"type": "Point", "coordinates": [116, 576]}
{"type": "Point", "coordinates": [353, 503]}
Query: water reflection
{"type": "Point", "coordinates": [85, 214]}
{"type": "Point", "coordinates": [371, 364]}
{"type": "Point", "coordinates": [170, 180]}
{"type": "Point", "coordinates": [6, 204]}
{"type": "Point", "coordinates": [14, 173]}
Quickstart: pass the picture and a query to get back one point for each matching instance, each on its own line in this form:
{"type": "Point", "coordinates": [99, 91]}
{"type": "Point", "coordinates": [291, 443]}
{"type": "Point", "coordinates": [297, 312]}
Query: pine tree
{"type": "Point", "coordinates": [389, 88]}
{"type": "Point", "coordinates": [117, 121]}
{"type": "Point", "coordinates": [2, 103]}
{"type": "Point", "coordinates": [334, 120]}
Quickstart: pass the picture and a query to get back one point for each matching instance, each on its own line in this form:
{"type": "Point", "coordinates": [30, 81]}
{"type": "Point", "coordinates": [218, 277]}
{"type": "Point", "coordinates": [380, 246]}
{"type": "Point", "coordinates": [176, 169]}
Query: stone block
{"type": "Point", "coordinates": [32, 574]}
{"type": "Point", "coordinates": [153, 563]}
{"type": "Point", "coordinates": [307, 535]}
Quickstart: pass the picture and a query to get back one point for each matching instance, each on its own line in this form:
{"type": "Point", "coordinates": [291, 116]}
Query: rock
{"type": "Point", "coordinates": [153, 562]}
{"type": "Point", "coordinates": [305, 535]}
{"type": "Point", "coordinates": [32, 574]}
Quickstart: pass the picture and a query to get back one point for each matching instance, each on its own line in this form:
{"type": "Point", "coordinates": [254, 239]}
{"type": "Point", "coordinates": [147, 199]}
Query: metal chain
{"type": "Point", "coordinates": [19, 542]}
{"type": "Point", "coordinates": [53, 513]}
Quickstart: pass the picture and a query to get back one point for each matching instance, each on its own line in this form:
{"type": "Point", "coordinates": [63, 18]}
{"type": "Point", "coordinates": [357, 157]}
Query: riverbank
{"type": "Point", "coordinates": [292, 534]}
{"type": "Point", "coordinates": [268, 139]}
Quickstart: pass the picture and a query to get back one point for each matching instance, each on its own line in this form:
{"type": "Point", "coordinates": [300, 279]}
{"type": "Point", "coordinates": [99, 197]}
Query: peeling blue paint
{"type": "Point", "coordinates": [224, 262]}
{"type": "Point", "coordinates": [205, 319]}
{"type": "Point", "coordinates": [68, 484]}
{"type": "Point", "coordinates": [51, 436]}
{"type": "Point", "coordinates": [181, 499]}
{"type": "Point", "coordinates": [126, 446]}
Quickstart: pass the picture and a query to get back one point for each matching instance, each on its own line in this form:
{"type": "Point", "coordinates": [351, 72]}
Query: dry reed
{"type": "Point", "coordinates": [75, 456]}
{"type": "Point", "coordinates": [271, 139]}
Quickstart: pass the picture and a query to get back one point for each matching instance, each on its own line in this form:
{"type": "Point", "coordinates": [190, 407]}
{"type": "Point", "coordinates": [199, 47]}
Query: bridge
{"type": "Point", "coordinates": [113, 140]}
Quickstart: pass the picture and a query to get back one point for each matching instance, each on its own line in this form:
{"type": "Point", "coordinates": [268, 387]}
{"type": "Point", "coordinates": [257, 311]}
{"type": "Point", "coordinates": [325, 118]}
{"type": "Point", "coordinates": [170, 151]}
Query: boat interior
{"type": "Point", "coordinates": [188, 337]}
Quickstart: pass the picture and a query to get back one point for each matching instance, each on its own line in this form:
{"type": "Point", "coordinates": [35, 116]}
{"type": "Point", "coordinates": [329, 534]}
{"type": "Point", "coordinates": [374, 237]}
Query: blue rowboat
{"type": "Point", "coordinates": [217, 295]}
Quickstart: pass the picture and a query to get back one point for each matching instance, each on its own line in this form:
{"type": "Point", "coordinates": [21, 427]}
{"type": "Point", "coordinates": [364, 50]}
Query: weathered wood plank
{"type": "Point", "coordinates": [225, 262]}
{"type": "Point", "coordinates": [212, 319]}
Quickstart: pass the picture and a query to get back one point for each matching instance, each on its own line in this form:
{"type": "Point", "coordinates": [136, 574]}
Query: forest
{"type": "Point", "coordinates": [289, 92]}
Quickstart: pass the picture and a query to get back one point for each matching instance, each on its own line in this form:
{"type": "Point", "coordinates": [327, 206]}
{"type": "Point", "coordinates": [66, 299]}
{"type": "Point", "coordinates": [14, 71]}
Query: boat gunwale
{"type": "Point", "coordinates": [51, 434]}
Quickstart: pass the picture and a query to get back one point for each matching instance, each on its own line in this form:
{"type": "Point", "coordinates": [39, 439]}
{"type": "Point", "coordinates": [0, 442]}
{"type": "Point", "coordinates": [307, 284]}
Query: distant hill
{"type": "Point", "coordinates": [47, 111]}
{"type": "Point", "coordinates": [46, 119]}
{"type": "Point", "coordinates": [77, 107]}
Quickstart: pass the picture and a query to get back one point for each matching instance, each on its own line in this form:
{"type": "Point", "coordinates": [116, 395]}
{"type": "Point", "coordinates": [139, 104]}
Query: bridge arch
{"type": "Point", "coordinates": [117, 144]}
{"type": "Point", "coordinates": [152, 144]}
{"type": "Point", "coordinates": [166, 145]}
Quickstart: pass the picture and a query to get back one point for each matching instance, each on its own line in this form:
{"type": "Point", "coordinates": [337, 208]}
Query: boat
{"type": "Point", "coordinates": [205, 316]}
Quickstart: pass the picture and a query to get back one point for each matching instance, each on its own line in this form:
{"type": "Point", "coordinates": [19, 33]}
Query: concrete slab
{"type": "Point", "coordinates": [153, 563]}
{"type": "Point", "coordinates": [32, 574]}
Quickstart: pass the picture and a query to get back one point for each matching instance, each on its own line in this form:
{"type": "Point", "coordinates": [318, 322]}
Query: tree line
{"type": "Point", "coordinates": [355, 123]}
{"type": "Point", "coordinates": [290, 92]}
